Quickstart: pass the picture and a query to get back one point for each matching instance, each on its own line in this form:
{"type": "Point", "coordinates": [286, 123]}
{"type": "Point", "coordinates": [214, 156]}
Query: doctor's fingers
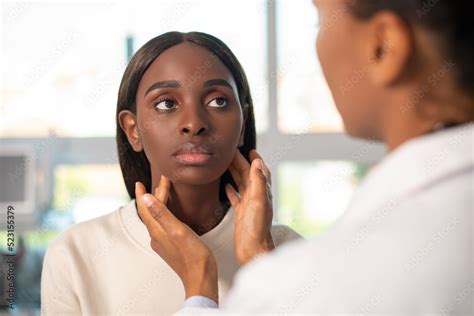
{"type": "Point", "coordinates": [153, 227]}
{"type": "Point", "coordinates": [237, 178]}
{"type": "Point", "coordinates": [260, 188]}
{"type": "Point", "coordinates": [232, 195]}
{"type": "Point", "coordinates": [255, 155]}
{"type": "Point", "coordinates": [240, 164]}
{"type": "Point", "coordinates": [163, 189]}
{"type": "Point", "coordinates": [172, 227]}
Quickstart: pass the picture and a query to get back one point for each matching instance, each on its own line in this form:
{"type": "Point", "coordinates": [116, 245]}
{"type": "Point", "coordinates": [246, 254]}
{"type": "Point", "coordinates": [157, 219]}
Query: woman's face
{"type": "Point", "coordinates": [189, 118]}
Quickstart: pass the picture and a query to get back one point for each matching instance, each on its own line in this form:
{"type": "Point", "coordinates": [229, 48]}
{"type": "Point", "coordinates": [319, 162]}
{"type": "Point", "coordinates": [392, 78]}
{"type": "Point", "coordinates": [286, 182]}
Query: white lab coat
{"type": "Point", "coordinates": [404, 246]}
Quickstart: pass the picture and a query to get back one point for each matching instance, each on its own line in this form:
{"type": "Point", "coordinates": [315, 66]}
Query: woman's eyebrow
{"type": "Point", "coordinates": [177, 84]}
{"type": "Point", "coordinates": [163, 84]}
{"type": "Point", "coordinates": [217, 82]}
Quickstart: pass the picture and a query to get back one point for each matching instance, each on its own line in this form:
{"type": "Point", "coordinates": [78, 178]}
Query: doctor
{"type": "Point", "coordinates": [405, 245]}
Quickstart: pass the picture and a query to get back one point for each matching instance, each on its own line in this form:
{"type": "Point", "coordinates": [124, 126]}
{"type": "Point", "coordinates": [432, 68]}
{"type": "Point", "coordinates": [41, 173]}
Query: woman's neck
{"type": "Point", "coordinates": [198, 206]}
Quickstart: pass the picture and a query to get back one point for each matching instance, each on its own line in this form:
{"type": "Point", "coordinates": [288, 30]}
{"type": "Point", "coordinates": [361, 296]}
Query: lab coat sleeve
{"type": "Point", "coordinates": [244, 297]}
{"type": "Point", "coordinates": [200, 301]}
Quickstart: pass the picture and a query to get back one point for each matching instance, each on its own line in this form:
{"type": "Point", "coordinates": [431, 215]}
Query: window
{"type": "Point", "coordinates": [303, 95]}
{"type": "Point", "coordinates": [316, 193]}
{"type": "Point", "coordinates": [66, 83]}
{"type": "Point", "coordinates": [88, 191]}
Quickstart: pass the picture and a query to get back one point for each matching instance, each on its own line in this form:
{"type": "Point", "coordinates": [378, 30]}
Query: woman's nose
{"type": "Point", "coordinates": [194, 125]}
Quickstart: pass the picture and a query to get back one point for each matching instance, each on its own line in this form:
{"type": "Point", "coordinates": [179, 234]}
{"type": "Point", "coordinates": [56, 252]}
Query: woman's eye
{"type": "Point", "coordinates": [218, 103]}
{"type": "Point", "coordinates": [165, 105]}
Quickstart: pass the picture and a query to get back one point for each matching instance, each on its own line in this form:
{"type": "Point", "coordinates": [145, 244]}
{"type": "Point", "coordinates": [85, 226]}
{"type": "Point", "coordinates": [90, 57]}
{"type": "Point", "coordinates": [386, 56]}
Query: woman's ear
{"type": "Point", "coordinates": [390, 48]}
{"type": "Point", "coordinates": [242, 133]}
{"type": "Point", "coordinates": [128, 123]}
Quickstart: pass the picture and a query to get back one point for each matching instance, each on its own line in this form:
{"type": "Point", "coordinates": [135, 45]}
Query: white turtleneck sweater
{"type": "Point", "coordinates": [106, 266]}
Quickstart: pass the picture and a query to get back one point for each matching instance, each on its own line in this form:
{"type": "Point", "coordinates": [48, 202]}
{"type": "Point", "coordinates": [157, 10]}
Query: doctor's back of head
{"type": "Point", "coordinates": [398, 69]}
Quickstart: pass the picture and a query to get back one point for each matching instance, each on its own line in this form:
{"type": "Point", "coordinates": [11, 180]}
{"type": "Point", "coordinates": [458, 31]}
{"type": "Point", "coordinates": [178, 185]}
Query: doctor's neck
{"type": "Point", "coordinates": [408, 119]}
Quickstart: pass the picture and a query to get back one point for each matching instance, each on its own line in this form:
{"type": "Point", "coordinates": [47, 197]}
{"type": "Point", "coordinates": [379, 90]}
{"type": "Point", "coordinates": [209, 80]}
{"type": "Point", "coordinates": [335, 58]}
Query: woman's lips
{"type": "Point", "coordinates": [194, 159]}
{"type": "Point", "coordinates": [193, 154]}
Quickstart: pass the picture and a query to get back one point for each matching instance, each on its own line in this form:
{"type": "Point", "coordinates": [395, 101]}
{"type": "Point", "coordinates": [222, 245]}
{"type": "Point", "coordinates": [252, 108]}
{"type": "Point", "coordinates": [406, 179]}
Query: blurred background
{"type": "Point", "coordinates": [61, 67]}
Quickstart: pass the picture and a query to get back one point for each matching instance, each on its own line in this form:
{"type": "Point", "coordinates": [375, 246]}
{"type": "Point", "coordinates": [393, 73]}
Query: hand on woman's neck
{"type": "Point", "coordinates": [198, 206]}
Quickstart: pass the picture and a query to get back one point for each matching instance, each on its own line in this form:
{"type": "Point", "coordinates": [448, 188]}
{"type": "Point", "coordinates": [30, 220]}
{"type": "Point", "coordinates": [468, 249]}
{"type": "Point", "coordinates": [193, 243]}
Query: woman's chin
{"type": "Point", "coordinates": [194, 176]}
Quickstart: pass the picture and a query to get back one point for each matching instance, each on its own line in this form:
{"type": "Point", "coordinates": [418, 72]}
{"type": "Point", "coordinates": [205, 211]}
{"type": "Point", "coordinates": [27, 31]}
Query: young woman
{"type": "Point", "coordinates": [404, 247]}
{"type": "Point", "coordinates": [184, 109]}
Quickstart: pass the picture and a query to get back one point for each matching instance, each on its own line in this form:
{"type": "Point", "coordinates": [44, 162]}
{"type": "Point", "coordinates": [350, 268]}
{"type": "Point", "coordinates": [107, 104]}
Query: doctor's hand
{"type": "Point", "coordinates": [176, 243]}
{"type": "Point", "coordinates": [253, 206]}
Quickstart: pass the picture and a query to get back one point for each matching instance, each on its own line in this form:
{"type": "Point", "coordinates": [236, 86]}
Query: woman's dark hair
{"type": "Point", "coordinates": [450, 20]}
{"type": "Point", "coordinates": [135, 166]}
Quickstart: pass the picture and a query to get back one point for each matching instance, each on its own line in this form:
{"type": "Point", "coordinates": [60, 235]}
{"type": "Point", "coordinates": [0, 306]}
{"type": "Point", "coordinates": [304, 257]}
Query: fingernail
{"type": "Point", "coordinates": [148, 200]}
{"type": "Point", "coordinates": [136, 185]}
{"type": "Point", "coordinates": [259, 164]}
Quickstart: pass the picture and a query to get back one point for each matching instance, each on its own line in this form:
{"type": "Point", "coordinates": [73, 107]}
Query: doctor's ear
{"type": "Point", "coordinates": [390, 45]}
{"type": "Point", "coordinates": [245, 111]}
{"type": "Point", "coordinates": [128, 123]}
